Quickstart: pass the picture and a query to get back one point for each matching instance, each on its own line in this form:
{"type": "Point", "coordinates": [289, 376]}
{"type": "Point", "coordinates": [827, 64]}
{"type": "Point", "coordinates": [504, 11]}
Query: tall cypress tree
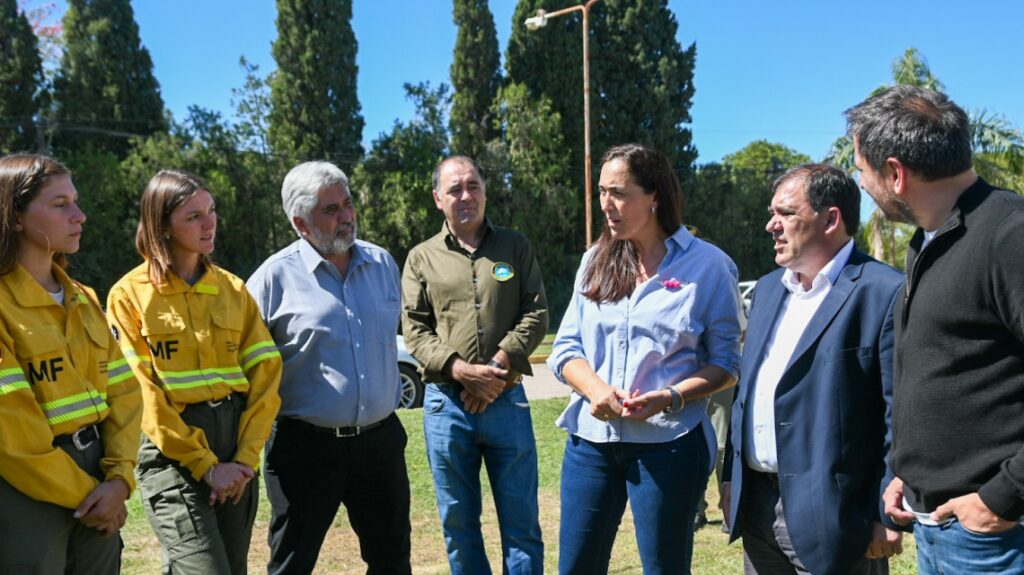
{"type": "Point", "coordinates": [21, 75]}
{"type": "Point", "coordinates": [641, 79]}
{"type": "Point", "coordinates": [105, 90]}
{"type": "Point", "coordinates": [549, 63]}
{"type": "Point", "coordinates": [316, 112]}
{"type": "Point", "coordinates": [475, 77]}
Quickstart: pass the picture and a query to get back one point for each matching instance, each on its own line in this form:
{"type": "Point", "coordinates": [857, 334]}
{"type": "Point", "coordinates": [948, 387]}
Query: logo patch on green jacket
{"type": "Point", "coordinates": [502, 272]}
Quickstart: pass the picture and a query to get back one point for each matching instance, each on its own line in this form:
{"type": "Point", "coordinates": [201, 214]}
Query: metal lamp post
{"type": "Point", "coordinates": [541, 20]}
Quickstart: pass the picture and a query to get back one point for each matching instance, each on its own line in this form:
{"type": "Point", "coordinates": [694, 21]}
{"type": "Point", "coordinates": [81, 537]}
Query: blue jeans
{"type": "Point", "coordinates": [502, 437]}
{"type": "Point", "coordinates": [663, 483]}
{"type": "Point", "coordinates": [953, 550]}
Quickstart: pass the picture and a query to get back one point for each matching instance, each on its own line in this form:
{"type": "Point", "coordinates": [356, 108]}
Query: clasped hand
{"type": "Point", "coordinates": [104, 509]}
{"type": "Point", "coordinates": [227, 481]}
{"type": "Point", "coordinates": [613, 403]}
{"type": "Point", "coordinates": [608, 404]}
{"type": "Point", "coordinates": [481, 384]}
{"type": "Point", "coordinates": [642, 406]}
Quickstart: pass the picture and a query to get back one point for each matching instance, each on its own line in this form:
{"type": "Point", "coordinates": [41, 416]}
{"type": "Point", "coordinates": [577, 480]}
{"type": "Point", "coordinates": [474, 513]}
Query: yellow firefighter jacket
{"type": "Point", "coordinates": [60, 370]}
{"type": "Point", "coordinates": [190, 344]}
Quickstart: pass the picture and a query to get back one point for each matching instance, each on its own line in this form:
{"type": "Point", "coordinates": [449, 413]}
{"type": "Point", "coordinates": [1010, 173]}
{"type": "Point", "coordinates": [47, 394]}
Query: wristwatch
{"type": "Point", "coordinates": [677, 401]}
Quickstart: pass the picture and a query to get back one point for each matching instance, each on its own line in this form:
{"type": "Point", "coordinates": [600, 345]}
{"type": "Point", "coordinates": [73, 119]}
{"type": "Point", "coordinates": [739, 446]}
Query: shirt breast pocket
{"type": "Point", "coordinates": [387, 321]}
{"type": "Point", "coordinates": [99, 334]}
{"type": "Point", "coordinates": [671, 320]}
{"type": "Point", "coordinates": [164, 339]}
{"type": "Point", "coordinates": [860, 357]}
{"type": "Point", "coordinates": [227, 336]}
{"type": "Point", "coordinates": [40, 352]}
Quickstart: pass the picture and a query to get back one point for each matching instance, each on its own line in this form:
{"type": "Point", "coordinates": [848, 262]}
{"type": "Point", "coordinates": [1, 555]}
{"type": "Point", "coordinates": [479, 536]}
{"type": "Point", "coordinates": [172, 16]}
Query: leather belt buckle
{"type": "Point", "coordinates": [347, 431]}
{"type": "Point", "coordinates": [85, 437]}
{"type": "Point", "coordinates": [215, 403]}
{"type": "Point", "coordinates": [357, 430]}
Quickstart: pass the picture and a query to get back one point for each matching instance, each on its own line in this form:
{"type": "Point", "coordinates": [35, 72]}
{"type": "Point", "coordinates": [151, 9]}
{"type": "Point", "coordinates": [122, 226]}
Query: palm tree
{"type": "Point", "coordinates": [998, 157]}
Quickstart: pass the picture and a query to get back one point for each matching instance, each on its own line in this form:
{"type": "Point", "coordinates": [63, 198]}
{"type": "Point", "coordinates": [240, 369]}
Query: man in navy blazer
{"type": "Point", "coordinates": [809, 424]}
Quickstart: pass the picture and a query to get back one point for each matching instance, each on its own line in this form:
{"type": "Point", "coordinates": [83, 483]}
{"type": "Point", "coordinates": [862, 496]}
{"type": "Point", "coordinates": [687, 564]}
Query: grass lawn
{"type": "Point", "coordinates": [544, 349]}
{"type": "Point", "coordinates": [340, 553]}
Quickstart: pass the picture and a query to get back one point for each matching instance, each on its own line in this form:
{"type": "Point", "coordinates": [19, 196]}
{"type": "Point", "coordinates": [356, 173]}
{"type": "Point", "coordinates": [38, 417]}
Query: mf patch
{"type": "Point", "coordinates": [502, 271]}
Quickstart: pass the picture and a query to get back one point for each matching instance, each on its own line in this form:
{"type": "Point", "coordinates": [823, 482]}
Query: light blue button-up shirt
{"type": "Point", "coordinates": [658, 336]}
{"type": "Point", "coordinates": [336, 334]}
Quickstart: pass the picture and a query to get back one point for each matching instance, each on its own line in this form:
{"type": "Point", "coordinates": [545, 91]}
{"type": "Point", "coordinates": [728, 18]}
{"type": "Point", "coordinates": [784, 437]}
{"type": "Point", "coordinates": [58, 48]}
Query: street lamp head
{"type": "Point", "coordinates": [538, 21]}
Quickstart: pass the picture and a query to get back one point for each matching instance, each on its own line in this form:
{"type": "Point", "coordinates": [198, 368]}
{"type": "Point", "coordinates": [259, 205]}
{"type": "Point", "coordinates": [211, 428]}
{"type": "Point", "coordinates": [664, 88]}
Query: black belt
{"type": "Point", "coordinates": [221, 401]}
{"type": "Point", "coordinates": [334, 431]}
{"type": "Point", "coordinates": [224, 402]}
{"type": "Point", "coordinates": [81, 439]}
{"type": "Point", "coordinates": [772, 478]}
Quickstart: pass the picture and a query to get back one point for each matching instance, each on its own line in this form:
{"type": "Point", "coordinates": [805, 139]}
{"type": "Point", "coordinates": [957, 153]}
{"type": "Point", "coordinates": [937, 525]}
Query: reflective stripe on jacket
{"type": "Point", "coordinates": [60, 370]}
{"type": "Point", "coordinates": [190, 344]}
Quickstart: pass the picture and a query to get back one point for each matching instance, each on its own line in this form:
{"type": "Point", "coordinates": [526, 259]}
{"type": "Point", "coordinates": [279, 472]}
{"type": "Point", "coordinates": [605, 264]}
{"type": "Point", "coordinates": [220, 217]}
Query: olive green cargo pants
{"type": "Point", "coordinates": [45, 539]}
{"type": "Point", "coordinates": [196, 537]}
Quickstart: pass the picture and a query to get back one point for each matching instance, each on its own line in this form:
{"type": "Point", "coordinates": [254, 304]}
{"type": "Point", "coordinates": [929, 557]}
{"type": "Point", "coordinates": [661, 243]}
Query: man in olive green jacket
{"type": "Point", "coordinates": [474, 311]}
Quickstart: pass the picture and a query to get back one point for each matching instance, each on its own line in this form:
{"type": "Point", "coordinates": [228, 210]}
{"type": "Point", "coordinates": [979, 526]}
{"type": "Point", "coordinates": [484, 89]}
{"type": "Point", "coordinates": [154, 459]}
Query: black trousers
{"type": "Point", "coordinates": [310, 472]}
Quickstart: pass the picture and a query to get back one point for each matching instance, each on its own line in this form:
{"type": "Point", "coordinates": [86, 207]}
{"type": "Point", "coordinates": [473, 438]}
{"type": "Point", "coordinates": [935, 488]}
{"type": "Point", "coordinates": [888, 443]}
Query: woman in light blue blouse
{"type": "Point", "coordinates": [652, 329]}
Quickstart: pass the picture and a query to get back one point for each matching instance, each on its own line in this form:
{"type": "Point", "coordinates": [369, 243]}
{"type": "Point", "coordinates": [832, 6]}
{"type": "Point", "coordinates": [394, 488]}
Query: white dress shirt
{"type": "Point", "coordinates": [797, 310]}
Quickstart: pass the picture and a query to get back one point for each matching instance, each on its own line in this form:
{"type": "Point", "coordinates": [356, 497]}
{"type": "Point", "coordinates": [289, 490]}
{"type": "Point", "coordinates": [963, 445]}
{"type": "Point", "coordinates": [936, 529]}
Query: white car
{"type": "Point", "coordinates": [409, 373]}
{"type": "Point", "coordinates": [747, 294]}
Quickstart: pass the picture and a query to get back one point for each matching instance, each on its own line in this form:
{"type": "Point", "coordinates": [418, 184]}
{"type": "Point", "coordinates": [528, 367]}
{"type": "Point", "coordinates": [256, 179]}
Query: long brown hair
{"type": "Point", "coordinates": [611, 272]}
{"type": "Point", "coordinates": [22, 176]}
{"type": "Point", "coordinates": [165, 192]}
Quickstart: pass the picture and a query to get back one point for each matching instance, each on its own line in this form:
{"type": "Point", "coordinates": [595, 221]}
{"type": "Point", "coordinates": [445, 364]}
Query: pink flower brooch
{"type": "Point", "coordinates": [672, 284]}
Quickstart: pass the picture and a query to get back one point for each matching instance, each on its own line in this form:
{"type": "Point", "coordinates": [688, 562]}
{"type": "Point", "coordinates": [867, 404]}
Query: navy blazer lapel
{"type": "Point", "coordinates": [833, 302]}
{"type": "Point", "coordinates": [761, 324]}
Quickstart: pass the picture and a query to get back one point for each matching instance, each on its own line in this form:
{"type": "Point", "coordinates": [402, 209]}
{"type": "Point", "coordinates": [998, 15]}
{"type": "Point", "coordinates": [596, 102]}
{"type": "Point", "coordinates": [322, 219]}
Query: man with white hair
{"type": "Point", "coordinates": [332, 304]}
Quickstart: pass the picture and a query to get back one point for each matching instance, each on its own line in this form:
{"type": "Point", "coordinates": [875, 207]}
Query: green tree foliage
{"type": "Point", "coordinates": [475, 77]}
{"type": "Point", "coordinates": [244, 180]}
{"type": "Point", "coordinates": [316, 112]}
{"type": "Point", "coordinates": [641, 78]}
{"type": "Point", "coordinates": [998, 157]}
{"type": "Point", "coordinates": [21, 78]}
{"type": "Point", "coordinates": [998, 150]}
{"type": "Point", "coordinates": [111, 207]}
{"type": "Point", "coordinates": [549, 62]}
{"type": "Point", "coordinates": [392, 184]}
{"type": "Point", "coordinates": [643, 84]}
{"type": "Point", "coordinates": [263, 172]}
{"type": "Point", "coordinates": [110, 190]}
{"type": "Point", "coordinates": [913, 69]}
{"type": "Point", "coordinates": [534, 194]}
{"type": "Point", "coordinates": [764, 161]}
{"type": "Point", "coordinates": [728, 202]}
{"type": "Point", "coordinates": [105, 90]}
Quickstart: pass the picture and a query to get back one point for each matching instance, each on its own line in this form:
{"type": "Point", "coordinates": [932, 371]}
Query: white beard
{"type": "Point", "coordinates": [332, 245]}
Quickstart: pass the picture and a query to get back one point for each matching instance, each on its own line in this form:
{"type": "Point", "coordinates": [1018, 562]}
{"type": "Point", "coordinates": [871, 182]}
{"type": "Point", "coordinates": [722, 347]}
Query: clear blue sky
{"type": "Point", "coordinates": [782, 70]}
